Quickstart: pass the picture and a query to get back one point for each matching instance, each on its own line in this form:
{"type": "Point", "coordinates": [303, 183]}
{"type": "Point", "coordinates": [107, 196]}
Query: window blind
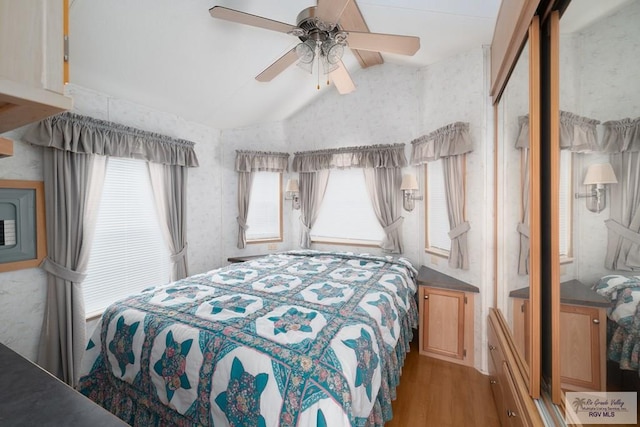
{"type": "Point", "coordinates": [436, 211]}
{"type": "Point", "coordinates": [263, 217]}
{"type": "Point", "coordinates": [129, 252]}
{"type": "Point", "coordinates": [346, 213]}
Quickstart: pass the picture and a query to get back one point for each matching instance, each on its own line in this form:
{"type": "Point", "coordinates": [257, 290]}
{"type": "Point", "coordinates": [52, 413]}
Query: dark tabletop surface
{"type": "Point", "coordinates": [30, 396]}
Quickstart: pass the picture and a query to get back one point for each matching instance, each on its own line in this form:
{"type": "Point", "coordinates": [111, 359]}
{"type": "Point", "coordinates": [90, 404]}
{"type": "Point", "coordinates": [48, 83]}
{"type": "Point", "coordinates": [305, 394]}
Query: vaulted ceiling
{"type": "Point", "coordinates": [173, 56]}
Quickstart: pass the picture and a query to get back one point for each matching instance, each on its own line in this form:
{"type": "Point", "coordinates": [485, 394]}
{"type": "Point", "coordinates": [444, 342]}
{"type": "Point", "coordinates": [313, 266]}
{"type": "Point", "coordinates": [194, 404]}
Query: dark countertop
{"type": "Point", "coordinates": [30, 396]}
{"type": "Point", "coordinates": [435, 279]}
{"type": "Point", "coordinates": [572, 292]}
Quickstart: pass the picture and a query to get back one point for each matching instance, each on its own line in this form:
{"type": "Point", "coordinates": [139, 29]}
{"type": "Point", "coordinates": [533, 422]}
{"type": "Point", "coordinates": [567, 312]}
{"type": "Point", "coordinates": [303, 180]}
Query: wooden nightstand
{"type": "Point", "coordinates": [446, 317]}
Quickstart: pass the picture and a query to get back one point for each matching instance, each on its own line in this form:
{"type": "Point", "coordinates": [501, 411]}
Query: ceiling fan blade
{"type": "Point", "coordinates": [277, 67]}
{"type": "Point", "coordinates": [331, 10]}
{"type": "Point", "coordinates": [342, 80]}
{"type": "Point", "coordinates": [352, 20]}
{"type": "Point", "coordinates": [390, 43]}
{"type": "Point", "coordinates": [248, 19]}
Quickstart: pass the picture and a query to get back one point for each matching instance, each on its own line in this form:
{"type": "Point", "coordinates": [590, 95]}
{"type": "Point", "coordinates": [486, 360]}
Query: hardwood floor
{"type": "Point", "coordinates": [437, 393]}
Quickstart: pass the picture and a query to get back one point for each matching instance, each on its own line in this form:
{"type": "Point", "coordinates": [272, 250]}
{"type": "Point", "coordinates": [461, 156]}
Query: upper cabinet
{"type": "Point", "coordinates": [31, 61]}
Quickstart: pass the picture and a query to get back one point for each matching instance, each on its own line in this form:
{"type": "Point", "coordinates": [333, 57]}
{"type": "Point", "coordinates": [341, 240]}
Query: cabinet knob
{"type": "Point", "coordinates": [426, 297]}
{"type": "Point", "coordinates": [492, 347]}
{"type": "Point", "coordinates": [596, 321]}
{"type": "Point", "coordinates": [510, 413]}
{"type": "Point", "coordinates": [493, 382]}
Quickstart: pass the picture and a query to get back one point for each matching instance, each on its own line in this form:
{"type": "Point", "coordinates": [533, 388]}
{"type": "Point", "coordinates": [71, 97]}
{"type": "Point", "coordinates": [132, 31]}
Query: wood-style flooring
{"type": "Point", "coordinates": [442, 394]}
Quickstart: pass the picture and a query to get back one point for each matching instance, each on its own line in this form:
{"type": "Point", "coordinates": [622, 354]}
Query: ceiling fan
{"type": "Point", "coordinates": [324, 31]}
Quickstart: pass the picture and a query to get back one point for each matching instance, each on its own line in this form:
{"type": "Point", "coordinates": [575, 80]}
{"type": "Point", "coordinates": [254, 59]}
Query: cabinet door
{"type": "Point", "coordinates": [580, 347]}
{"type": "Point", "coordinates": [442, 322]}
{"type": "Point", "coordinates": [31, 43]}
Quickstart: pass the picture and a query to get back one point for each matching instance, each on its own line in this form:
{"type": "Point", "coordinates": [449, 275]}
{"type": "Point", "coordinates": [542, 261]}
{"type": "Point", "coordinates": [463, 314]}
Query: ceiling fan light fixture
{"type": "Point", "coordinates": [306, 51]}
{"type": "Point", "coordinates": [333, 52]}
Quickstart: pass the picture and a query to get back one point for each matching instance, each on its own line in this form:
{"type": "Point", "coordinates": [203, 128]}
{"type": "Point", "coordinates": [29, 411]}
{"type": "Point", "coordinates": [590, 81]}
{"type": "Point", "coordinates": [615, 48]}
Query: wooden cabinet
{"type": "Point", "coordinates": [583, 334]}
{"type": "Point", "coordinates": [583, 329]}
{"type": "Point", "coordinates": [31, 61]}
{"type": "Point", "coordinates": [446, 317]}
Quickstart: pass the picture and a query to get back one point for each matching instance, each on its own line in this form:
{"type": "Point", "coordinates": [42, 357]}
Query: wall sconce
{"type": "Point", "coordinates": [409, 189]}
{"type": "Point", "coordinates": [292, 192]}
{"type": "Point", "coordinates": [597, 176]}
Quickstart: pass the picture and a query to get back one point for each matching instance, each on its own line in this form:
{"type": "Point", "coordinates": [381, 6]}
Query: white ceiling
{"type": "Point", "coordinates": [173, 56]}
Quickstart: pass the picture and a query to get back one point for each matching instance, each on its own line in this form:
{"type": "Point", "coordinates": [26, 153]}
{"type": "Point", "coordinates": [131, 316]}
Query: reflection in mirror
{"type": "Point", "coordinates": [512, 192]}
{"type": "Point", "coordinates": [599, 92]}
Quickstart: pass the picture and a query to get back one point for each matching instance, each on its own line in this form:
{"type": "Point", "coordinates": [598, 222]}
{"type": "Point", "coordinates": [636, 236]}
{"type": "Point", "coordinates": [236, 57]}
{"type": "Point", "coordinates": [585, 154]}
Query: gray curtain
{"type": "Point", "coordinates": [382, 170]}
{"type": "Point", "coordinates": [522, 143]}
{"type": "Point", "coordinates": [383, 186]}
{"type": "Point", "coordinates": [312, 188]}
{"type": "Point", "coordinates": [246, 163]}
{"type": "Point", "coordinates": [169, 185]}
{"type": "Point", "coordinates": [74, 170]}
{"type": "Point", "coordinates": [71, 180]}
{"type": "Point", "coordinates": [245, 180]}
{"type": "Point", "coordinates": [622, 139]}
{"type": "Point", "coordinates": [450, 143]}
{"type": "Point", "coordinates": [453, 169]}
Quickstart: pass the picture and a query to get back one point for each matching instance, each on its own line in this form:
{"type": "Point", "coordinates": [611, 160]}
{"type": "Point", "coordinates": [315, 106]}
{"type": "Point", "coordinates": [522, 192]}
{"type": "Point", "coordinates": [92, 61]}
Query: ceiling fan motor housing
{"type": "Point", "coordinates": [313, 28]}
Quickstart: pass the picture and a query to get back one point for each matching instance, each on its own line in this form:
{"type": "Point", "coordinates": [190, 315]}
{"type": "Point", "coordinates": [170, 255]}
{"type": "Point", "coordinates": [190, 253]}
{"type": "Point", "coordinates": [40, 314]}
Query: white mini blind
{"type": "Point", "coordinates": [263, 217]}
{"type": "Point", "coordinates": [129, 252]}
{"type": "Point", "coordinates": [346, 213]}
{"type": "Point", "coordinates": [436, 211]}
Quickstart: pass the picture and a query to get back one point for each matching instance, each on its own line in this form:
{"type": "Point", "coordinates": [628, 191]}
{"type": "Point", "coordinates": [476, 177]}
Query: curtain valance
{"type": "Point", "coordinates": [254, 161]}
{"type": "Point", "coordinates": [87, 135]}
{"type": "Point", "coordinates": [451, 140]}
{"type": "Point", "coordinates": [621, 136]}
{"type": "Point", "coordinates": [577, 133]}
{"type": "Point", "coordinates": [372, 156]}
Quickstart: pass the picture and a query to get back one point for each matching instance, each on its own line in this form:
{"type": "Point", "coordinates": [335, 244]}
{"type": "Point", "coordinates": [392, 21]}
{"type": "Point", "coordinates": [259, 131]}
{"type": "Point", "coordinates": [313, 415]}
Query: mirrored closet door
{"type": "Point", "coordinates": [518, 209]}
{"type": "Point", "coordinates": [594, 206]}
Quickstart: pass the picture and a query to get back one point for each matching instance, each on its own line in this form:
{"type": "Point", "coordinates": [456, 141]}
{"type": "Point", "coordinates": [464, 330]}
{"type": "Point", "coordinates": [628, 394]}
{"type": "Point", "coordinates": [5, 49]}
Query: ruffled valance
{"type": "Point", "coordinates": [577, 134]}
{"type": "Point", "coordinates": [86, 135]}
{"type": "Point", "coordinates": [253, 161]}
{"type": "Point", "coordinates": [372, 156]}
{"type": "Point", "coordinates": [621, 136]}
{"type": "Point", "coordinates": [451, 140]}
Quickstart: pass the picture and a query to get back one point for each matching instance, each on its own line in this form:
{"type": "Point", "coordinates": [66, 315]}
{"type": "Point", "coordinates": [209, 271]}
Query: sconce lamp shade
{"type": "Point", "coordinates": [409, 182]}
{"type": "Point", "coordinates": [292, 186]}
{"type": "Point", "coordinates": [600, 173]}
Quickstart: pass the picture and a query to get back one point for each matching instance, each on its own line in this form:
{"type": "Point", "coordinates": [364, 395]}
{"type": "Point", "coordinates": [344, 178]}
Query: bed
{"type": "Point", "coordinates": [623, 327]}
{"type": "Point", "coordinates": [303, 338]}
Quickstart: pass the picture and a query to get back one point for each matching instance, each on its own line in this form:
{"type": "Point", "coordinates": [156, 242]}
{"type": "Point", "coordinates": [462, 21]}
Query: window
{"type": "Point", "coordinates": [265, 208]}
{"type": "Point", "coordinates": [346, 214]}
{"type": "Point", "coordinates": [566, 200]}
{"type": "Point", "coordinates": [129, 252]}
{"type": "Point", "coordinates": [437, 217]}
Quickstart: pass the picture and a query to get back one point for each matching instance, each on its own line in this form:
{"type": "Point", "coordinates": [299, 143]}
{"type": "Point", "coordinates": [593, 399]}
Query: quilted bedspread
{"type": "Point", "coordinates": [624, 332]}
{"type": "Point", "coordinates": [304, 338]}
